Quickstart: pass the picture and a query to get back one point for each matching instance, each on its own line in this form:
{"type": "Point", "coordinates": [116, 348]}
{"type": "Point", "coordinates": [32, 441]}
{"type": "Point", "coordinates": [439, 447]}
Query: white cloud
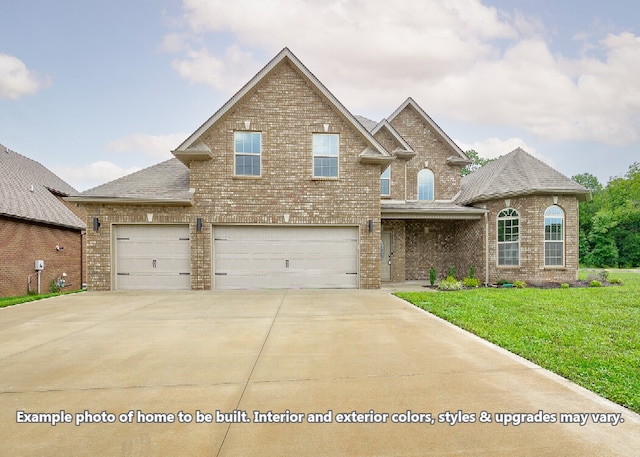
{"type": "Point", "coordinates": [16, 80]}
{"type": "Point", "coordinates": [459, 59]}
{"type": "Point", "coordinates": [91, 175]}
{"type": "Point", "coordinates": [154, 146]}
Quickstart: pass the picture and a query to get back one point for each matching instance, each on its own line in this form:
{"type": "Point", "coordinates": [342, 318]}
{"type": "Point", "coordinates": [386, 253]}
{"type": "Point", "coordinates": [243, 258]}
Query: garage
{"type": "Point", "coordinates": [152, 257]}
{"type": "Point", "coordinates": [263, 257]}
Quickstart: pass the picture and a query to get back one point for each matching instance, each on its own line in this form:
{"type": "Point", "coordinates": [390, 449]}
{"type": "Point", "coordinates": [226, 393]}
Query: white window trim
{"type": "Point", "coordinates": [433, 185]}
{"type": "Point", "coordinates": [235, 154]}
{"type": "Point", "coordinates": [388, 179]}
{"type": "Point", "coordinates": [313, 157]}
{"type": "Point", "coordinates": [498, 242]}
{"type": "Point", "coordinates": [544, 235]}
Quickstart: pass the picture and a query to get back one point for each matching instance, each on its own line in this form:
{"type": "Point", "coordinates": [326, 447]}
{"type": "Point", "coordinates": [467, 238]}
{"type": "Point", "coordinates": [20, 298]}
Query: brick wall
{"type": "Point", "coordinates": [287, 111]}
{"type": "Point", "coordinates": [428, 147]}
{"type": "Point", "coordinates": [532, 268]}
{"type": "Point", "coordinates": [23, 242]}
{"type": "Point", "coordinates": [397, 166]}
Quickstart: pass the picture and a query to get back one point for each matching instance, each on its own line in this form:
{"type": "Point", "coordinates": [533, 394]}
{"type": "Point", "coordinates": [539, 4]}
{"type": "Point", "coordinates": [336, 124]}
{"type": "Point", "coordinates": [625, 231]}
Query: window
{"type": "Point", "coordinates": [425, 184]}
{"type": "Point", "coordinates": [554, 236]}
{"type": "Point", "coordinates": [508, 237]}
{"type": "Point", "coordinates": [325, 155]}
{"type": "Point", "coordinates": [385, 182]}
{"type": "Point", "coordinates": [247, 152]}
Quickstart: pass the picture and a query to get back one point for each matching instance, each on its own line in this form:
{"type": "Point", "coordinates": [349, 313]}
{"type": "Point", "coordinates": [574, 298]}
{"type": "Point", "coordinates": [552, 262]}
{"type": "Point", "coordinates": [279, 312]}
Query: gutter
{"type": "Point", "coordinates": [486, 249]}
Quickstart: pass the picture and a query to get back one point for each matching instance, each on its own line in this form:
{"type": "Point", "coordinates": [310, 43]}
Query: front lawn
{"type": "Point", "coordinates": [8, 301]}
{"type": "Point", "coordinates": [588, 335]}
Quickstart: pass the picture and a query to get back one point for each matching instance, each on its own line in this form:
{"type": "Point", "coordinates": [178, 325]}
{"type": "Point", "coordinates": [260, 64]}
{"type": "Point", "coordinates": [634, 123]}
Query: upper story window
{"type": "Point", "coordinates": [385, 182]}
{"type": "Point", "coordinates": [325, 155]}
{"type": "Point", "coordinates": [554, 236]}
{"type": "Point", "coordinates": [508, 237]}
{"type": "Point", "coordinates": [248, 146]}
{"type": "Point", "coordinates": [425, 184]}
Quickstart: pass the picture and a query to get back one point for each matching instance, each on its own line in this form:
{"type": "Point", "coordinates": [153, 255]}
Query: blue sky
{"type": "Point", "coordinates": [94, 90]}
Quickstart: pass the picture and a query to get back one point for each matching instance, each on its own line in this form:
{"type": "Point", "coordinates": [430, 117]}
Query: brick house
{"type": "Point", "coordinates": [283, 187]}
{"type": "Point", "coordinates": [37, 224]}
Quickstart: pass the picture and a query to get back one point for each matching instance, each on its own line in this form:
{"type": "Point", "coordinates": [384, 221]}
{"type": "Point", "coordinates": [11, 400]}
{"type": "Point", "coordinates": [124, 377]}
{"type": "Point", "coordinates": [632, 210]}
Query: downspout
{"type": "Point", "coordinates": [486, 249]}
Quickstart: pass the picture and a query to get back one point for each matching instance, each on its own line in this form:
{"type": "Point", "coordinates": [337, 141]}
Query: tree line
{"type": "Point", "coordinates": [609, 223]}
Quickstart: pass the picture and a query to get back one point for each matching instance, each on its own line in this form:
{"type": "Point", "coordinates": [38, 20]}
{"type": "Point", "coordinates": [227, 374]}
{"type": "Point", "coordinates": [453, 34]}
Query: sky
{"type": "Point", "coordinates": [95, 90]}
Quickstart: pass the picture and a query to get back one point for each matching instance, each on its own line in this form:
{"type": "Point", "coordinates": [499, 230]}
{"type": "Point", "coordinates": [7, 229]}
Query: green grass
{"type": "Point", "coordinates": [588, 335]}
{"type": "Point", "coordinates": [9, 301]}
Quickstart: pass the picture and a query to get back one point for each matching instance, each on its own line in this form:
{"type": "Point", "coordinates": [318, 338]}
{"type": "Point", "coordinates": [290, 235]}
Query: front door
{"type": "Point", "coordinates": [385, 256]}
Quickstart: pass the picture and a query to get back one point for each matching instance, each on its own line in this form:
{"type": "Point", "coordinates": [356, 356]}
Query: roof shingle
{"type": "Point", "coordinates": [29, 191]}
{"type": "Point", "coordinates": [517, 173]}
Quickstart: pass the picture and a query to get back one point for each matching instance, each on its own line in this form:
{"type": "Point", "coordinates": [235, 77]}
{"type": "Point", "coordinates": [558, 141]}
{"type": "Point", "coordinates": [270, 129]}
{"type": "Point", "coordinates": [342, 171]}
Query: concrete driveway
{"type": "Point", "coordinates": [157, 374]}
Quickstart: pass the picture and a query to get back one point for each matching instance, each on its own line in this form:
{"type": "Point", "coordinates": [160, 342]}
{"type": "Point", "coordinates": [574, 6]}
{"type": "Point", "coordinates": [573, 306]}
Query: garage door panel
{"type": "Point", "coordinates": [152, 257]}
{"type": "Point", "coordinates": [285, 257]}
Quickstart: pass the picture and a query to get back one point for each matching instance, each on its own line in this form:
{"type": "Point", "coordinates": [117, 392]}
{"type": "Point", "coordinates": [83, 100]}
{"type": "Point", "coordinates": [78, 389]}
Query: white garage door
{"type": "Point", "coordinates": [152, 257]}
{"type": "Point", "coordinates": [248, 257]}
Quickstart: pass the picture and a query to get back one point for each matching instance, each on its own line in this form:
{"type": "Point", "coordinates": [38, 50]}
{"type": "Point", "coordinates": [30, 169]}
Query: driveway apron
{"type": "Point", "coordinates": [282, 373]}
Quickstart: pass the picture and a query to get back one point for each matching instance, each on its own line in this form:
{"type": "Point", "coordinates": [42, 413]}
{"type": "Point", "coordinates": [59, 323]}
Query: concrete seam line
{"type": "Point", "coordinates": [255, 363]}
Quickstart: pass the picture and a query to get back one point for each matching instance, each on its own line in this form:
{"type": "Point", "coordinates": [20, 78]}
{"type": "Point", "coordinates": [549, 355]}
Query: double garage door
{"type": "Point", "coordinates": [244, 257]}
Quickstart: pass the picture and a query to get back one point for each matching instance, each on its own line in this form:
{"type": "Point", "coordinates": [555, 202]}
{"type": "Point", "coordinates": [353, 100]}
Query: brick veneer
{"type": "Point", "coordinates": [532, 269]}
{"type": "Point", "coordinates": [428, 147]}
{"type": "Point", "coordinates": [285, 108]}
{"type": "Point", "coordinates": [23, 242]}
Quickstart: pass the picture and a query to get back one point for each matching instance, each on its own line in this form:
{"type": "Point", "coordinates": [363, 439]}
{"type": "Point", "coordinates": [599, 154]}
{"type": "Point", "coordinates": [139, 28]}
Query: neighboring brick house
{"type": "Point", "coordinates": [37, 224]}
{"type": "Point", "coordinates": [283, 187]}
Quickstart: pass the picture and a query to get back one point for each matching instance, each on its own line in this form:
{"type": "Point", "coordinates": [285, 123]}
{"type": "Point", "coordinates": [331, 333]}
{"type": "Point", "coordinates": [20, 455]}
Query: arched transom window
{"type": "Point", "coordinates": [508, 237]}
{"type": "Point", "coordinates": [425, 184]}
{"type": "Point", "coordinates": [554, 236]}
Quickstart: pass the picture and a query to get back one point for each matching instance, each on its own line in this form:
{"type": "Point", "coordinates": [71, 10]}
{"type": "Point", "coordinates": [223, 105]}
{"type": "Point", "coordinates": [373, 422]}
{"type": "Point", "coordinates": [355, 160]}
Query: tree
{"type": "Point", "coordinates": [610, 224]}
{"type": "Point", "coordinates": [477, 162]}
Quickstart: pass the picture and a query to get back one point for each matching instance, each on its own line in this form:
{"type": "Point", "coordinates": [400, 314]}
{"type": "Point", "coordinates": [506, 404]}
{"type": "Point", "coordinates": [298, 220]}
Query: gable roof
{"type": "Point", "coordinates": [374, 152]}
{"type": "Point", "coordinates": [459, 157]}
{"type": "Point", "coordinates": [165, 183]}
{"type": "Point", "coordinates": [517, 173]}
{"type": "Point", "coordinates": [30, 191]}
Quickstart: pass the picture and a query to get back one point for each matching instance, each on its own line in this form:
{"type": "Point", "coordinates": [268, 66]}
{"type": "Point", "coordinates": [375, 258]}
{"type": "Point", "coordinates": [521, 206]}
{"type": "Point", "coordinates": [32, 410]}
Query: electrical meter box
{"type": "Point", "coordinates": [39, 265]}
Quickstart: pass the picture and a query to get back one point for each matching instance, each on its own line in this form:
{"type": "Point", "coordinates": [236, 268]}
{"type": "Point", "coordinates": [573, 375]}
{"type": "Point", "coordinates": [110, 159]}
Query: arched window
{"type": "Point", "coordinates": [554, 236]}
{"type": "Point", "coordinates": [425, 184]}
{"type": "Point", "coordinates": [508, 237]}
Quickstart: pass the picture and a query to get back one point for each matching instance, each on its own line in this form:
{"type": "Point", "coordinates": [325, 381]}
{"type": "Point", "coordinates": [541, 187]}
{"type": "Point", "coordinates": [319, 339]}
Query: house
{"type": "Point", "coordinates": [283, 187]}
{"type": "Point", "coordinates": [37, 224]}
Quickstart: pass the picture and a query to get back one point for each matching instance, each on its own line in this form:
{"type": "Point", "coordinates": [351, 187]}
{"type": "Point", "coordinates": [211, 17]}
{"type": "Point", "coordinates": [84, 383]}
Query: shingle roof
{"type": "Point", "coordinates": [165, 182]}
{"type": "Point", "coordinates": [517, 173]}
{"type": "Point", "coordinates": [28, 191]}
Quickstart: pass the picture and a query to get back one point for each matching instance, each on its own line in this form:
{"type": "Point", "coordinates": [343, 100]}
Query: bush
{"type": "Point", "coordinates": [452, 272]}
{"type": "Point", "coordinates": [595, 283]}
{"type": "Point", "coordinates": [564, 285]}
{"type": "Point", "coordinates": [600, 275]}
{"type": "Point", "coordinates": [471, 282]}
{"type": "Point", "coordinates": [520, 284]}
{"type": "Point", "coordinates": [54, 288]}
{"type": "Point", "coordinates": [615, 281]}
{"type": "Point", "coordinates": [472, 272]}
{"type": "Point", "coordinates": [450, 283]}
{"type": "Point", "coordinates": [432, 276]}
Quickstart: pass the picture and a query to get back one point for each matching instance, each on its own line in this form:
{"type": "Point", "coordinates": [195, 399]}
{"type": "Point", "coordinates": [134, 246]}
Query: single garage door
{"type": "Point", "coordinates": [248, 257]}
{"type": "Point", "coordinates": [152, 257]}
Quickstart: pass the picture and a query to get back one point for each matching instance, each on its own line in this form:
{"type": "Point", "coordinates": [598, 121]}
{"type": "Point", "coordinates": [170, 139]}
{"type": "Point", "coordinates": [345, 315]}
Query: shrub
{"type": "Point", "coordinates": [564, 285]}
{"type": "Point", "coordinates": [471, 282]}
{"type": "Point", "coordinates": [452, 272]}
{"type": "Point", "coordinates": [615, 281]}
{"type": "Point", "coordinates": [520, 284]}
{"type": "Point", "coordinates": [432, 276]}
{"type": "Point", "coordinates": [595, 283]}
{"type": "Point", "coordinates": [450, 283]}
{"type": "Point", "coordinates": [600, 275]}
{"type": "Point", "coordinates": [472, 271]}
{"type": "Point", "coordinates": [54, 288]}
